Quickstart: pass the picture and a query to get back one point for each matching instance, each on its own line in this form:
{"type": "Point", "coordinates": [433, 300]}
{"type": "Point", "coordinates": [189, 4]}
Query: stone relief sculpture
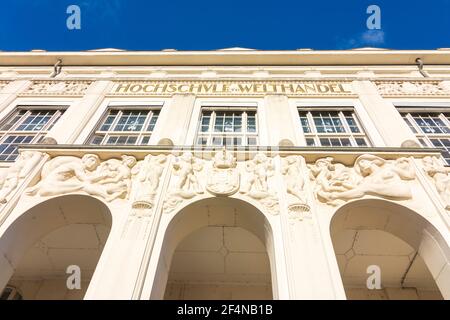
{"type": "Point", "coordinates": [414, 87]}
{"type": "Point", "coordinates": [293, 176]}
{"type": "Point", "coordinates": [371, 175]}
{"type": "Point", "coordinates": [3, 84]}
{"type": "Point", "coordinates": [148, 173]}
{"type": "Point", "coordinates": [441, 178]}
{"type": "Point", "coordinates": [10, 178]}
{"type": "Point", "coordinates": [58, 87]}
{"type": "Point", "coordinates": [146, 180]}
{"type": "Point", "coordinates": [109, 180]}
{"type": "Point", "coordinates": [256, 185]}
{"type": "Point", "coordinates": [223, 178]}
{"type": "Point", "coordinates": [187, 186]}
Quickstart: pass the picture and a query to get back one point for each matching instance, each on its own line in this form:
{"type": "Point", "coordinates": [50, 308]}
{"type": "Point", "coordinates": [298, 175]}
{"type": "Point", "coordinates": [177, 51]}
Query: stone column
{"type": "Point", "coordinates": [10, 92]}
{"type": "Point", "coordinates": [174, 121]}
{"type": "Point", "coordinates": [389, 123]}
{"type": "Point", "coordinates": [74, 120]}
{"type": "Point", "coordinates": [281, 126]}
{"type": "Point", "coordinates": [311, 275]}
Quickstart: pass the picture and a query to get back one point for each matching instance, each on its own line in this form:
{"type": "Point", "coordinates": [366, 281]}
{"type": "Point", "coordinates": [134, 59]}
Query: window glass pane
{"type": "Point", "coordinates": [153, 119]}
{"type": "Point", "coordinates": [97, 140]}
{"type": "Point", "coordinates": [217, 141]}
{"type": "Point", "coordinates": [345, 142]}
{"type": "Point", "coordinates": [325, 142]}
{"type": "Point", "coordinates": [310, 142]}
{"type": "Point", "coordinates": [251, 122]}
{"type": "Point", "coordinates": [361, 142]}
{"type": "Point", "coordinates": [202, 141]}
{"type": "Point", "coordinates": [145, 140]}
{"type": "Point", "coordinates": [251, 141]}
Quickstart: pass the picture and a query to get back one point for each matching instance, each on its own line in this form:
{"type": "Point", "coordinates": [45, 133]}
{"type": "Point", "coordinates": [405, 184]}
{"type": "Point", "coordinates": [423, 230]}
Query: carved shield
{"type": "Point", "coordinates": [222, 182]}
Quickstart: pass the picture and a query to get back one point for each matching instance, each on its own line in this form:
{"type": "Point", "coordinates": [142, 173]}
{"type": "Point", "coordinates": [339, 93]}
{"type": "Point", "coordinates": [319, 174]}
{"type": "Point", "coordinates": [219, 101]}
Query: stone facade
{"type": "Point", "coordinates": [281, 219]}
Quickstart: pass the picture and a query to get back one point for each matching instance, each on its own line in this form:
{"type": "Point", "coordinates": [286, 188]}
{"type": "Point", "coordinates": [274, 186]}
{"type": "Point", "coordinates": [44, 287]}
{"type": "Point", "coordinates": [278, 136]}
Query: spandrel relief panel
{"type": "Point", "coordinates": [57, 88]}
{"type": "Point", "coordinates": [222, 176]}
{"type": "Point", "coordinates": [335, 183]}
{"type": "Point", "coordinates": [418, 88]}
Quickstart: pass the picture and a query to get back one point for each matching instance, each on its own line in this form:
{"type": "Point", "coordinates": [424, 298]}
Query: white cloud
{"type": "Point", "coordinates": [375, 37]}
{"type": "Point", "coordinates": [369, 38]}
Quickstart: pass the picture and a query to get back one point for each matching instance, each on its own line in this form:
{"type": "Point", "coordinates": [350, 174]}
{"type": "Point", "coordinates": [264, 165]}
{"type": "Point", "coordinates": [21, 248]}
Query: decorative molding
{"type": "Point", "coordinates": [420, 88]}
{"type": "Point", "coordinates": [335, 183]}
{"type": "Point", "coordinates": [57, 87]}
{"type": "Point", "coordinates": [440, 175]}
{"type": "Point", "coordinates": [232, 88]}
{"type": "Point", "coordinates": [109, 180]}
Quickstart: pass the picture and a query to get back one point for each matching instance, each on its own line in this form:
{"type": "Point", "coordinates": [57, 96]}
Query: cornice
{"type": "Point", "coordinates": [227, 58]}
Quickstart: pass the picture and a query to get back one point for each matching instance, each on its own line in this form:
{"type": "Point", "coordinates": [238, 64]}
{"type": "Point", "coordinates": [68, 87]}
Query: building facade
{"type": "Point", "coordinates": [228, 174]}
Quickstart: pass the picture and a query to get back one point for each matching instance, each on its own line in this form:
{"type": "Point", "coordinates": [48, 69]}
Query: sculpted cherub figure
{"type": "Point", "coordinates": [118, 183]}
{"type": "Point", "coordinates": [440, 176]}
{"type": "Point", "coordinates": [294, 179]}
{"type": "Point", "coordinates": [148, 173]}
{"type": "Point", "coordinates": [185, 167]}
{"type": "Point", "coordinates": [259, 169]}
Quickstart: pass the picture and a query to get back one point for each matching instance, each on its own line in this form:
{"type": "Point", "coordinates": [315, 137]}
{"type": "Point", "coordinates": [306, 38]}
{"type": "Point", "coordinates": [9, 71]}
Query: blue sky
{"type": "Point", "coordinates": [215, 24]}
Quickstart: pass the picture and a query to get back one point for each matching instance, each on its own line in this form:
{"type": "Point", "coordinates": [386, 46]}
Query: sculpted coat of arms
{"type": "Point", "coordinates": [223, 177]}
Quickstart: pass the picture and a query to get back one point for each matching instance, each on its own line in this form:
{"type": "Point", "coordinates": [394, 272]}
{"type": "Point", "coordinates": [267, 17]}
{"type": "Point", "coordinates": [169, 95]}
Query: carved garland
{"type": "Point", "coordinates": [54, 87]}
{"type": "Point", "coordinates": [413, 88]}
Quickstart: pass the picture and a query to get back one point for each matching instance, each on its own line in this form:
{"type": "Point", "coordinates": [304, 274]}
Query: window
{"type": "Point", "coordinates": [332, 129]}
{"type": "Point", "coordinates": [432, 129]}
{"type": "Point", "coordinates": [10, 293]}
{"type": "Point", "coordinates": [126, 127]}
{"type": "Point", "coordinates": [227, 128]}
{"type": "Point", "coordinates": [25, 126]}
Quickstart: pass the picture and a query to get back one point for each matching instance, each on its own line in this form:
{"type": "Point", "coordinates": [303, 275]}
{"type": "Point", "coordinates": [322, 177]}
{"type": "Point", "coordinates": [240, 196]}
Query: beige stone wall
{"type": "Point", "coordinates": [284, 196]}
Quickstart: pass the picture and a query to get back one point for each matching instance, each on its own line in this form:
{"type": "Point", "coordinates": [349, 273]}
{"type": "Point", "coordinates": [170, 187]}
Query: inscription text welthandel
{"type": "Point", "coordinates": [231, 88]}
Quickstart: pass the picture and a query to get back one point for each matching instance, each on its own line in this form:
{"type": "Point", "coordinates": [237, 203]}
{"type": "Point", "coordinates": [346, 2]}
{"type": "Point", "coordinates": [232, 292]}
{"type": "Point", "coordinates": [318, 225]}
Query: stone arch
{"type": "Point", "coordinates": [388, 230]}
{"type": "Point", "coordinates": [66, 230]}
{"type": "Point", "coordinates": [213, 212]}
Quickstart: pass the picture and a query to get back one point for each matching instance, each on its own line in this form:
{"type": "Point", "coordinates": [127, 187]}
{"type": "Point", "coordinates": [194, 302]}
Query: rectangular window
{"type": "Point", "coordinates": [27, 125]}
{"type": "Point", "coordinates": [432, 129]}
{"type": "Point", "coordinates": [332, 128]}
{"type": "Point", "coordinates": [227, 128]}
{"type": "Point", "coordinates": [125, 127]}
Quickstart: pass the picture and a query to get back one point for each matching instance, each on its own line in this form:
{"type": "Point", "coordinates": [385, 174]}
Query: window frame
{"type": "Point", "coordinates": [244, 134]}
{"type": "Point", "coordinates": [86, 136]}
{"type": "Point", "coordinates": [347, 134]}
{"type": "Point", "coordinates": [424, 138]}
{"type": "Point", "coordinates": [36, 135]}
{"type": "Point", "coordinates": [140, 135]}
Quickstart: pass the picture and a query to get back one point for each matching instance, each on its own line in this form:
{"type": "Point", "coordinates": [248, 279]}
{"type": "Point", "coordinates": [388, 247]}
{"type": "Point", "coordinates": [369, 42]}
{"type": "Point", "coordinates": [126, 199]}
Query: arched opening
{"type": "Point", "coordinates": [218, 248]}
{"type": "Point", "coordinates": [39, 246]}
{"type": "Point", "coordinates": [387, 251]}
